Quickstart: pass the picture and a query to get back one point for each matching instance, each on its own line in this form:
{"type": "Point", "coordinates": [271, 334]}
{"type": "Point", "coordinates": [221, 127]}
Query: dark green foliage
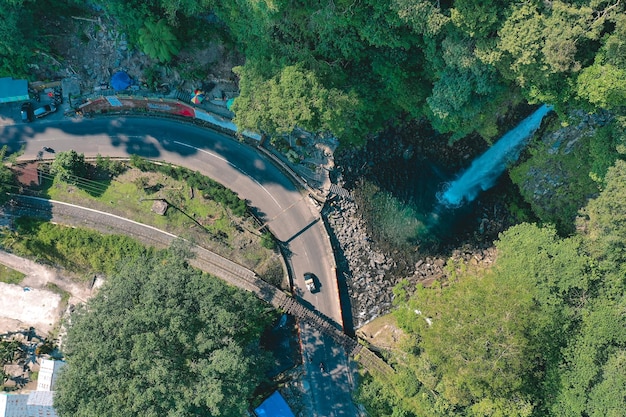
{"type": "Point", "coordinates": [108, 167]}
{"type": "Point", "coordinates": [163, 339]}
{"type": "Point", "coordinates": [209, 188]}
{"type": "Point", "coordinates": [8, 350]}
{"type": "Point", "coordinates": [69, 166]}
{"type": "Point", "coordinates": [606, 219]}
{"type": "Point", "coordinates": [606, 146]}
{"type": "Point", "coordinates": [157, 40]}
{"type": "Point", "coordinates": [293, 98]}
{"type": "Point", "coordinates": [17, 35]}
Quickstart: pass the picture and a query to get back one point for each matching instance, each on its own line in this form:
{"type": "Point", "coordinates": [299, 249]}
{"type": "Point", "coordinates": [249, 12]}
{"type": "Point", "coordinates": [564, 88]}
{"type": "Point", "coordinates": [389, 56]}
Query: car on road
{"type": "Point", "coordinates": [47, 149]}
{"type": "Point", "coordinates": [44, 110]}
{"type": "Point", "coordinates": [310, 281]}
{"type": "Point", "coordinates": [27, 112]}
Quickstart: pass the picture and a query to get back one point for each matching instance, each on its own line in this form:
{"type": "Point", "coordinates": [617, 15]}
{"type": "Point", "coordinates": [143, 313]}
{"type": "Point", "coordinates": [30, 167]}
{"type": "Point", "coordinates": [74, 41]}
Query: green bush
{"type": "Point", "coordinates": [267, 241]}
{"type": "Point", "coordinates": [76, 249]}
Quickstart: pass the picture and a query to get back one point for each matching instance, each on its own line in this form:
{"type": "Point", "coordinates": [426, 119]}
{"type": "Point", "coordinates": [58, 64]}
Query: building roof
{"type": "Point", "coordinates": [13, 405]}
{"type": "Point", "coordinates": [41, 398]}
{"type": "Point", "coordinates": [13, 90]}
{"type": "Point", "coordinates": [48, 373]}
{"type": "Point", "coordinates": [274, 406]}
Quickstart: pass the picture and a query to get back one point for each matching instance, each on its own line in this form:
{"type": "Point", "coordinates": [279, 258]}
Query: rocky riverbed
{"type": "Point", "coordinates": [370, 274]}
{"type": "Point", "coordinates": [370, 267]}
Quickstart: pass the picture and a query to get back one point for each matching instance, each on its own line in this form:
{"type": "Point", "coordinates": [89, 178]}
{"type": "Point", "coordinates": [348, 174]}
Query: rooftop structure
{"type": "Point", "coordinates": [13, 90]}
{"type": "Point", "coordinates": [36, 403]}
{"type": "Point", "coordinates": [274, 406]}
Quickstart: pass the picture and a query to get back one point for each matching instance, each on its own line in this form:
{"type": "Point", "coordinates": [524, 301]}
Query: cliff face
{"type": "Point", "coordinates": [556, 177]}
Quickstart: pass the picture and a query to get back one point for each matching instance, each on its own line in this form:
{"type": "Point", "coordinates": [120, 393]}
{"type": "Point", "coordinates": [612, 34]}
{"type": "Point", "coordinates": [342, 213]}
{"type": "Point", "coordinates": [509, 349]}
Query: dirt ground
{"type": "Point", "coordinates": [31, 303]}
{"type": "Point", "coordinates": [382, 333]}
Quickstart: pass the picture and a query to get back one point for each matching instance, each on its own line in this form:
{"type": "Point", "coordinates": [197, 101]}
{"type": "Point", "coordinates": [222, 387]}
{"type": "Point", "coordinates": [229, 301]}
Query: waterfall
{"type": "Point", "coordinates": [486, 169]}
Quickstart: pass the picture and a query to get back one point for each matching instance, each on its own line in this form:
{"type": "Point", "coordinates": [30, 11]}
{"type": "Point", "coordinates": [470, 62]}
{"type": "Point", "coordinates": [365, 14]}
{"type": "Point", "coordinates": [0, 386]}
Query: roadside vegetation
{"type": "Point", "coordinates": [76, 249]}
{"type": "Point", "coordinates": [197, 207]}
{"type": "Point", "coordinates": [10, 276]}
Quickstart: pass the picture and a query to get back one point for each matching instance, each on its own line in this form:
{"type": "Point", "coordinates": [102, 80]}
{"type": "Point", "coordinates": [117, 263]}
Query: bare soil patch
{"type": "Point", "coordinates": [23, 307]}
{"type": "Point", "coordinates": [32, 303]}
{"type": "Point", "coordinates": [382, 333]}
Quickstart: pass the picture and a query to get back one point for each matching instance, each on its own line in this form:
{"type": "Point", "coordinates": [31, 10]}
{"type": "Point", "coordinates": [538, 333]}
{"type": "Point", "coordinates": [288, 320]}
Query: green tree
{"type": "Point", "coordinates": [158, 41]}
{"type": "Point", "coordinates": [293, 98]}
{"type": "Point", "coordinates": [605, 224]}
{"type": "Point", "coordinates": [160, 338]}
{"type": "Point", "coordinates": [485, 344]}
{"type": "Point", "coordinates": [69, 165]}
{"type": "Point", "coordinates": [467, 94]}
{"type": "Point", "coordinates": [17, 34]}
{"type": "Point", "coordinates": [602, 84]}
{"type": "Point", "coordinates": [542, 48]}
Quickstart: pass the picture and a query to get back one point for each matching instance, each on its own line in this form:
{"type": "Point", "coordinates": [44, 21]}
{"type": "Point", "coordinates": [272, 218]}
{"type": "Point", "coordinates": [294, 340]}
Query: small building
{"type": "Point", "coordinates": [274, 406]}
{"type": "Point", "coordinates": [13, 90]}
{"type": "Point", "coordinates": [48, 374]}
{"type": "Point", "coordinates": [40, 404]}
{"type": "Point", "coordinates": [13, 405]}
{"type": "Point", "coordinates": [36, 403]}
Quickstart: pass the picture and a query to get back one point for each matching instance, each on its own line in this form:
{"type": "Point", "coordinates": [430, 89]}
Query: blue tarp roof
{"type": "Point", "coordinates": [120, 81]}
{"type": "Point", "coordinates": [13, 90]}
{"type": "Point", "coordinates": [274, 406]}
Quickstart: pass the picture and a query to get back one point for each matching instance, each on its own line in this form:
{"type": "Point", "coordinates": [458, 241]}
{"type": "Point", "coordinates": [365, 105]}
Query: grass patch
{"type": "Point", "coordinates": [65, 296]}
{"type": "Point", "coordinates": [199, 208]}
{"type": "Point", "coordinates": [10, 276]}
{"type": "Point", "coordinates": [76, 249]}
{"type": "Point", "coordinates": [127, 197]}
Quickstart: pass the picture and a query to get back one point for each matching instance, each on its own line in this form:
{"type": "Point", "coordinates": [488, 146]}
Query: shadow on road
{"type": "Point", "coordinates": [301, 231]}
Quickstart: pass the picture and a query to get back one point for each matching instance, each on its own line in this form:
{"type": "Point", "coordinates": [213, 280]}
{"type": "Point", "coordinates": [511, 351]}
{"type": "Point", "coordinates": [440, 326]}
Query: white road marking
{"type": "Point", "coordinates": [232, 165]}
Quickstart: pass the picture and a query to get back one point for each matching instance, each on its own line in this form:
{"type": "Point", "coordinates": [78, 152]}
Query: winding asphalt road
{"type": "Point", "coordinates": [291, 215]}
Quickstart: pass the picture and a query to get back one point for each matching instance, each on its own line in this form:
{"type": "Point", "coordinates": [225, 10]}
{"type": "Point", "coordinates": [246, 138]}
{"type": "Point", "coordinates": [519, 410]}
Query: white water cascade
{"type": "Point", "coordinates": [486, 169]}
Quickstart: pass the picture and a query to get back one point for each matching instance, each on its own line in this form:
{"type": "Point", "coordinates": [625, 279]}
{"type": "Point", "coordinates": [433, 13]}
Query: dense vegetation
{"type": "Point", "coordinates": [348, 67]}
{"type": "Point", "coordinates": [161, 338]}
{"type": "Point", "coordinates": [540, 334]}
{"type": "Point", "coordinates": [76, 249]}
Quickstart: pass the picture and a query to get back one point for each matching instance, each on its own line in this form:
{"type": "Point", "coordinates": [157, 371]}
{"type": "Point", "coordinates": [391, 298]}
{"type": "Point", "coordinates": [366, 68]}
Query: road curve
{"type": "Point", "coordinates": [290, 214]}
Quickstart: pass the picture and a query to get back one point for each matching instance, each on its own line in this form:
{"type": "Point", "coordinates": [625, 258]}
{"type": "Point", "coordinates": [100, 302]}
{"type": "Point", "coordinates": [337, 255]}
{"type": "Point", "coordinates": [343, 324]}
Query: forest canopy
{"type": "Point", "coordinates": [161, 338]}
{"type": "Point", "coordinates": [461, 64]}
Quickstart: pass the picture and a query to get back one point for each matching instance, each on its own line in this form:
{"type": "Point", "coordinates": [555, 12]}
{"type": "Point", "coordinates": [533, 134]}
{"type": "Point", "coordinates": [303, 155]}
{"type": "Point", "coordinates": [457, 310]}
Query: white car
{"type": "Point", "coordinates": [309, 280]}
{"type": "Point", "coordinates": [44, 110]}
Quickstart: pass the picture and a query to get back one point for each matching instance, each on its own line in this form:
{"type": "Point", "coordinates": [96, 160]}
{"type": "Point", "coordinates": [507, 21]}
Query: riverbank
{"type": "Point", "coordinates": [404, 175]}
